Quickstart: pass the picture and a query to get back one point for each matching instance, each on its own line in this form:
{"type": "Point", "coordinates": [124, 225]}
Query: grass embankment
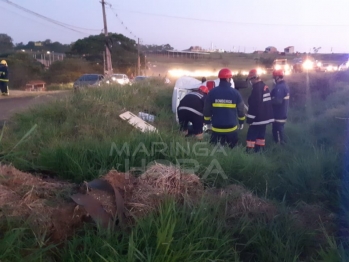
{"type": "Point", "coordinates": [54, 87]}
{"type": "Point", "coordinates": [78, 139]}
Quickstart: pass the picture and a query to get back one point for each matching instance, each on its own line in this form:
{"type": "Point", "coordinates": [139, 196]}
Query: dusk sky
{"type": "Point", "coordinates": [247, 25]}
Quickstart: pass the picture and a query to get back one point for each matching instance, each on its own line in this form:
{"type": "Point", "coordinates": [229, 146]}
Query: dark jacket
{"type": "Point", "coordinates": [194, 102]}
{"type": "Point", "coordinates": [260, 110]}
{"type": "Point", "coordinates": [224, 107]}
{"type": "Point", "coordinates": [280, 97]}
{"type": "Point", "coordinates": [3, 73]}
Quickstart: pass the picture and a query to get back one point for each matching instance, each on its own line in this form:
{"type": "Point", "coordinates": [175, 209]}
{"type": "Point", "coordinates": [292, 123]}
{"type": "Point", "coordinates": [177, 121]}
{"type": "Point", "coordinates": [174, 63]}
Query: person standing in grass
{"type": "Point", "coordinates": [259, 114]}
{"type": "Point", "coordinates": [224, 108]}
{"type": "Point", "coordinates": [4, 78]}
{"type": "Point", "coordinates": [280, 97]}
{"type": "Point", "coordinates": [190, 109]}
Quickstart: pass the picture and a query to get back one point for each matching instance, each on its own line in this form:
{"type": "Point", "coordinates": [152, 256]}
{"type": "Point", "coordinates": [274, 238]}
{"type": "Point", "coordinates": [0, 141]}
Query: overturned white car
{"type": "Point", "coordinates": [186, 84]}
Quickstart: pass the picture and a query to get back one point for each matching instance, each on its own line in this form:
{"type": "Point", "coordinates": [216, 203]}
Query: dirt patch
{"type": "Point", "coordinates": [19, 101]}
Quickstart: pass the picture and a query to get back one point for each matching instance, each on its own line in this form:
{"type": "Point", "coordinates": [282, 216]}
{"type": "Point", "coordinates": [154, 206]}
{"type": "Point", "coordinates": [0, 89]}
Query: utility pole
{"type": "Point", "coordinates": [109, 69]}
{"type": "Point", "coordinates": [104, 61]}
{"type": "Point", "coordinates": [139, 61]}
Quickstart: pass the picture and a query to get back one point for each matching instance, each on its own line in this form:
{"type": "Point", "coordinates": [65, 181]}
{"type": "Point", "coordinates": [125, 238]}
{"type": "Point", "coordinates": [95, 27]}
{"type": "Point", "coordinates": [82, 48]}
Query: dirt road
{"type": "Point", "coordinates": [20, 101]}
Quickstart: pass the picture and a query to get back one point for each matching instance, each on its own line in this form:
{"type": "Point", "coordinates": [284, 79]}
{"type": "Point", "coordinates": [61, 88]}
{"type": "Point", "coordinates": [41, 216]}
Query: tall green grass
{"type": "Point", "coordinates": [178, 233]}
{"type": "Point", "coordinates": [76, 139]}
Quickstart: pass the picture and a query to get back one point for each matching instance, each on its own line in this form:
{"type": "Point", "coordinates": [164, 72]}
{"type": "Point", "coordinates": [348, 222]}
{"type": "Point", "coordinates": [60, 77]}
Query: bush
{"type": "Point", "coordinates": [23, 68]}
{"type": "Point", "coordinates": [70, 69]}
{"type": "Point", "coordinates": [54, 87]}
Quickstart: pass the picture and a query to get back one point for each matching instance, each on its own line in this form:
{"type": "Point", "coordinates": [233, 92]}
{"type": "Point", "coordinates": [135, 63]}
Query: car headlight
{"type": "Point", "coordinates": [319, 64]}
{"type": "Point", "coordinates": [113, 78]}
{"type": "Point", "coordinates": [287, 67]}
{"type": "Point", "coordinates": [277, 67]}
{"type": "Point", "coordinates": [307, 64]}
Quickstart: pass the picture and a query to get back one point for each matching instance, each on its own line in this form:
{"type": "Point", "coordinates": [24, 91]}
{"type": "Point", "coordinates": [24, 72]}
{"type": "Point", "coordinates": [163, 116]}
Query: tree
{"type": "Point", "coordinates": [123, 50]}
{"type": "Point", "coordinates": [45, 46]}
{"type": "Point", "coordinates": [6, 43]}
{"type": "Point", "coordinates": [157, 47]}
{"type": "Point", "coordinates": [70, 69]}
{"type": "Point", "coordinates": [22, 68]}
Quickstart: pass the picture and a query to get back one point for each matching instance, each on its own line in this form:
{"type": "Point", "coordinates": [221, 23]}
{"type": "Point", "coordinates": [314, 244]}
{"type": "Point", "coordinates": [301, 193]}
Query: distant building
{"type": "Point", "coordinates": [289, 50]}
{"type": "Point", "coordinates": [271, 49]}
{"type": "Point", "coordinates": [258, 52]}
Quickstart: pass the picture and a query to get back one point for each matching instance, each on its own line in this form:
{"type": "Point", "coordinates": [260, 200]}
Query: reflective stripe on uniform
{"type": "Point", "coordinates": [207, 118]}
{"type": "Point", "coordinates": [263, 122]}
{"type": "Point", "coordinates": [4, 80]}
{"type": "Point", "coordinates": [224, 130]}
{"type": "Point", "coordinates": [266, 97]}
{"type": "Point", "coordinates": [280, 120]}
{"type": "Point", "coordinates": [196, 94]}
{"type": "Point", "coordinates": [190, 109]}
{"type": "Point", "coordinates": [251, 116]}
{"type": "Point", "coordinates": [250, 144]}
{"type": "Point", "coordinates": [287, 97]}
{"type": "Point", "coordinates": [260, 142]}
{"type": "Point", "coordinates": [241, 118]}
{"type": "Point", "coordinates": [224, 105]}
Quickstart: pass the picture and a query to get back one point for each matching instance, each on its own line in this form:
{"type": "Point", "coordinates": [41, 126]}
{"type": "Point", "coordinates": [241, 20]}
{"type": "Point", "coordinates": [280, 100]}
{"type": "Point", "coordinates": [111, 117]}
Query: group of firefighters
{"type": "Point", "coordinates": [222, 109]}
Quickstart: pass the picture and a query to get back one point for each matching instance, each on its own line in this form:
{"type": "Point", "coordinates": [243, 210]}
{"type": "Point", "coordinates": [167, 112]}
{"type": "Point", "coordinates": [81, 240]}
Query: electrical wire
{"type": "Point", "coordinates": [236, 23]}
{"type": "Point", "coordinates": [10, 11]}
{"type": "Point", "coordinates": [122, 23]}
{"type": "Point", "coordinates": [67, 26]}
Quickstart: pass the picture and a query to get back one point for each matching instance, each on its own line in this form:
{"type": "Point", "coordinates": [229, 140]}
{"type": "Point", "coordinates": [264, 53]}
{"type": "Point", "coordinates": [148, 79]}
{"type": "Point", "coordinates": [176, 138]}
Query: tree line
{"type": "Point", "coordinates": [82, 56]}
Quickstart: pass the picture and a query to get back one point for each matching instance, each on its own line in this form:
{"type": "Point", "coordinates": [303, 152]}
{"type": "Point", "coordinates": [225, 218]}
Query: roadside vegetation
{"type": "Point", "coordinates": [77, 139]}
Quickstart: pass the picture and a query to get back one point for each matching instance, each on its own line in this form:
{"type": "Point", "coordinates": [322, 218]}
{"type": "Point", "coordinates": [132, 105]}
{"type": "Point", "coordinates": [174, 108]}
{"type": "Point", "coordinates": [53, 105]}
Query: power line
{"type": "Point", "coordinates": [236, 23]}
{"type": "Point", "coordinates": [67, 26]}
{"type": "Point", "coordinates": [122, 23]}
{"type": "Point", "coordinates": [7, 10]}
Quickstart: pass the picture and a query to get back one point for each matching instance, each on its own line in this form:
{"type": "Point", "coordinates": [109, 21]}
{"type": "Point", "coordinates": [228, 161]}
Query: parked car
{"type": "Point", "coordinates": [327, 67]}
{"type": "Point", "coordinates": [121, 79]}
{"type": "Point", "coordinates": [92, 80]}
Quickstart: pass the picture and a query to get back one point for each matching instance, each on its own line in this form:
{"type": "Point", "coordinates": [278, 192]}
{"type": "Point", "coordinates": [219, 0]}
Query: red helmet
{"type": "Point", "coordinates": [210, 85]}
{"type": "Point", "coordinates": [203, 89]}
{"type": "Point", "coordinates": [279, 72]}
{"type": "Point", "coordinates": [225, 73]}
{"type": "Point", "coordinates": [252, 74]}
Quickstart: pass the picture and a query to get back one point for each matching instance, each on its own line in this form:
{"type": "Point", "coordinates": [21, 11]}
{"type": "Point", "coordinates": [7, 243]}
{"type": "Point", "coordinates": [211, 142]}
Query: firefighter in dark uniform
{"type": "Point", "coordinates": [280, 96]}
{"type": "Point", "coordinates": [224, 109]}
{"type": "Point", "coordinates": [190, 109]}
{"type": "Point", "coordinates": [260, 112]}
{"type": "Point", "coordinates": [4, 78]}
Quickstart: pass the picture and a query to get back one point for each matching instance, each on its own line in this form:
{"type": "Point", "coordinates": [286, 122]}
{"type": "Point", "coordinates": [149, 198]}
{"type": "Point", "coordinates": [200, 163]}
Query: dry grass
{"type": "Point", "coordinates": [39, 201]}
